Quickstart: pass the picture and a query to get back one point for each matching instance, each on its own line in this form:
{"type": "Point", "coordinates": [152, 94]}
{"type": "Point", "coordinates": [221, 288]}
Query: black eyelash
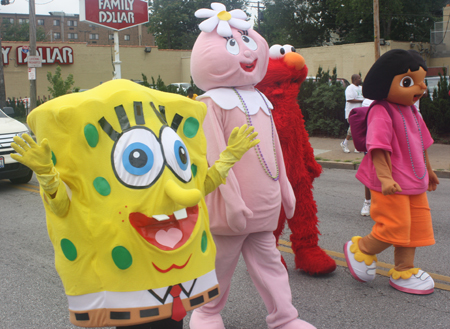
{"type": "Point", "coordinates": [228, 38]}
{"type": "Point", "coordinates": [243, 32]}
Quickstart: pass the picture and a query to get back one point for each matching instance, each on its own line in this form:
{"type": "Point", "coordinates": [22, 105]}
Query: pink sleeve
{"type": "Point", "coordinates": [426, 136]}
{"type": "Point", "coordinates": [216, 143]}
{"type": "Point", "coordinates": [287, 193]}
{"type": "Point", "coordinates": [379, 129]}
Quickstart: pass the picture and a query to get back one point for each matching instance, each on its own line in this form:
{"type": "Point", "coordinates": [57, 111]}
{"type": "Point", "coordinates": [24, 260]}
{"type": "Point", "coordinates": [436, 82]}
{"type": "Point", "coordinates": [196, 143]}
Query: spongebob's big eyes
{"type": "Point", "coordinates": [232, 46]}
{"type": "Point", "coordinates": [249, 42]}
{"type": "Point", "coordinates": [407, 82]}
{"type": "Point", "coordinates": [137, 157]}
{"type": "Point", "coordinates": [176, 154]}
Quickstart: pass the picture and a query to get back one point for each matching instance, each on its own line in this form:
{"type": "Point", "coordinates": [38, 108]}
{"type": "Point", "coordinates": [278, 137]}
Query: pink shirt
{"type": "Point", "coordinates": [247, 184]}
{"type": "Point", "coordinates": [405, 142]}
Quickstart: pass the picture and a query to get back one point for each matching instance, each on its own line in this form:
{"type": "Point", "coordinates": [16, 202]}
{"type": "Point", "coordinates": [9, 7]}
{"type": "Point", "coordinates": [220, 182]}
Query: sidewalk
{"type": "Point", "coordinates": [329, 154]}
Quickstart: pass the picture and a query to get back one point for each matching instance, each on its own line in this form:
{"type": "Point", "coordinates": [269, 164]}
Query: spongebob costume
{"type": "Point", "coordinates": [123, 175]}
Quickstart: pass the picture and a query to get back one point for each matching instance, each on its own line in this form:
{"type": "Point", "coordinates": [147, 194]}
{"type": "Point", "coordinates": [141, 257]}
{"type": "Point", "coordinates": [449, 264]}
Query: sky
{"type": "Point", "coordinates": [42, 7]}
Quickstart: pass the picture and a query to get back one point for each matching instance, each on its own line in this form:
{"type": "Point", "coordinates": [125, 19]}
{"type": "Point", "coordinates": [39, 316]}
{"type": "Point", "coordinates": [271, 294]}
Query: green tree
{"type": "Point", "coordinates": [402, 20]}
{"type": "Point", "coordinates": [174, 24]}
{"type": "Point", "coordinates": [436, 111]}
{"type": "Point", "coordinates": [323, 101]}
{"type": "Point", "coordinates": [59, 86]}
{"type": "Point", "coordinates": [20, 32]}
{"type": "Point", "coordinates": [296, 22]}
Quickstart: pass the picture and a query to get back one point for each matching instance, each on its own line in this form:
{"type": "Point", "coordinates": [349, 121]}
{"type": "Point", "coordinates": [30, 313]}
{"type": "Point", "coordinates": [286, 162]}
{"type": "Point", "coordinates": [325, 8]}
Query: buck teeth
{"type": "Point", "coordinates": [161, 218]}
{"type": "Point", "coordinates": [180, 214]}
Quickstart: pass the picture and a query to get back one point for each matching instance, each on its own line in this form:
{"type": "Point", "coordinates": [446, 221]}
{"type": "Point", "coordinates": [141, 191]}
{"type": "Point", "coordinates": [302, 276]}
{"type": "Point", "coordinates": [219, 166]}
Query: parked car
{"type": "Point", "coordinates": [343, 81]}
{"type": "Point", "coordinates": [183, 85]}
{"type": "Point", "coordinates": [432, 83]}
{"type": "Point", "coordinates": [10, 169]}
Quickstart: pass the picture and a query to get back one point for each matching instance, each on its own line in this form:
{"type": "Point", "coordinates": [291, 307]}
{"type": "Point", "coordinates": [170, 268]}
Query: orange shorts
{"type": "Point", "coordinates": [402, 220]}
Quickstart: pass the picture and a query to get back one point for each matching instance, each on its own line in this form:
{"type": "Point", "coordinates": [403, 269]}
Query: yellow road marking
{"type": "Point", "coordinates": [286, 247]}
{"type": "Point", "coordinates": [27, 187]}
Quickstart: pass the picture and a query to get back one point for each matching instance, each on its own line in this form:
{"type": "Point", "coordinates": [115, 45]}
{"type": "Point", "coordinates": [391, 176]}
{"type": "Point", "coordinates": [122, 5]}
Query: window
{"type": "Point", "coordinates": [23, 20]}
{"type": "Point", "coordinates": [40, 22]}
{"type": "Point", "coordinates": [56, 22]}
{"type": "Point", "coordinates": [111, 36]}
{"type": "Point", "coordinates": [93, 36]}
{"type": "Point", "coordinates": [126, 37]}
{"type": "Point", "coordinates": [72, 23]}
{"type": "Point", "coordinates": [73, 35]}
{"type": "Point", "coordinates": [8, 20]}
{"type": "Point", "coordinates": [56, 35]}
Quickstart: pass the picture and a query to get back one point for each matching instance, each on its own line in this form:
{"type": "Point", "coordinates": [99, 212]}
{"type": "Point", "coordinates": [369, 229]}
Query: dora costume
{"type": "Point", "coordinates": [398, 173]}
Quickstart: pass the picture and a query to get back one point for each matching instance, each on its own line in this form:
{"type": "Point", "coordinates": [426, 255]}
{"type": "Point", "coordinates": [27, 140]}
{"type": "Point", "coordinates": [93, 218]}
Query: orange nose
{"type": "Point", "coordinates": [294, 59]}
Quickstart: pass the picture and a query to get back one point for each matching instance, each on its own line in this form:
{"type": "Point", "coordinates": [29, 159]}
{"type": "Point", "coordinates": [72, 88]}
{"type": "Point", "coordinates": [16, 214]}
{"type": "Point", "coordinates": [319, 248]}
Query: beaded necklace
{"type": "Point", "coordinates": [261, 158]}
{"type": "Point", "coordinates": [409, 147]}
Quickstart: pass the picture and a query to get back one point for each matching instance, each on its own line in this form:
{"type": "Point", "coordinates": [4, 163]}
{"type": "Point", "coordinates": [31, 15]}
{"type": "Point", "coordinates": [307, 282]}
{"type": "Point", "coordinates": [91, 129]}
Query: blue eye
{"type": "Point", "coordinates": [176, 154]}
{"type": "Point", "coordinates": [137, 159]}
{"type": "Point", "coordinates": [181, 154]}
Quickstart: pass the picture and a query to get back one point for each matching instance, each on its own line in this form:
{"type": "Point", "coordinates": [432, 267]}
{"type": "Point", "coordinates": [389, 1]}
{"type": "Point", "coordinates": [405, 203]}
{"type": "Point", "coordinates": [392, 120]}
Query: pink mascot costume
{"type": "Point", "coordinates": [228, 60]}
{"type": "Point", "coordinates": [286, 72]}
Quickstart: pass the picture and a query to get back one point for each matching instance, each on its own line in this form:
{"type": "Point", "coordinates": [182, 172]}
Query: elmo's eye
{"type": "Point", "coordinates": [249, 42]}
{"type": "Point", "coordinates": [137, 158]}
{"type": "Point", "coordinates": [232, 46]}
{"type": "Point", "coordinates": [176, 154]}
{"type": "Point", "coordinates": [407, 82]}
{"type": "Point", "coordinates": [288, 49]}
{"type": "Point", "coordinates": [276, 51]}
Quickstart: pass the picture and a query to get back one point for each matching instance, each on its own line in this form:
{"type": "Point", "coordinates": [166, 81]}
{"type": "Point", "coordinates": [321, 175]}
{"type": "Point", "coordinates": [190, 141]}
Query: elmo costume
{"type": "Point", "coordinates": [281, 84]}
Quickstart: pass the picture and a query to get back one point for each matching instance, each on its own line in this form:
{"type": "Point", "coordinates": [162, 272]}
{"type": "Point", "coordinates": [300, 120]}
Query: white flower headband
{"type": "Point", "coordinates": [220, 17]}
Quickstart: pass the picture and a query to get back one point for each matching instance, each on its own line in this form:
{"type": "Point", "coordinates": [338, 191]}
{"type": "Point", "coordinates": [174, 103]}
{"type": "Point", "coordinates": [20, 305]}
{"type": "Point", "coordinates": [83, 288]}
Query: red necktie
{"type": "Point", "coordinates": [178, 311]}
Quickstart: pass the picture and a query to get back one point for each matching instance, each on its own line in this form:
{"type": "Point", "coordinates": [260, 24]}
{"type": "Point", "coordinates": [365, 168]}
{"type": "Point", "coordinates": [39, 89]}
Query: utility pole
{"type": "Point", "coordinates": [32, 52]}
{"type": "Point", "coordinates": [2, 77]}
{"type": "Point", "coordinates": [376, 27]}
{"type": "Point", "coordinates": [259, 20]}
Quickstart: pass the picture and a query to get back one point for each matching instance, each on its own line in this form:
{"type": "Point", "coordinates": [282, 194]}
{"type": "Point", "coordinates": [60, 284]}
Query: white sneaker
{"type": "Point", "coordinates": [356, 151]}
{"type": "Point", "coordinates": [359, 270]}
{"type": "Point", "coordinates": [345, 148]}
{"type": "Point", "coordinates": [419, 284]}
{"type": "Point", "coordinates": [365, 211]}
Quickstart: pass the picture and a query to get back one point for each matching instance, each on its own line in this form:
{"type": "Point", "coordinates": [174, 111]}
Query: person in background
{"type": "Point", "coordinates": [365, 211]}
{"type": "Point", "coordinates": [353, 98]}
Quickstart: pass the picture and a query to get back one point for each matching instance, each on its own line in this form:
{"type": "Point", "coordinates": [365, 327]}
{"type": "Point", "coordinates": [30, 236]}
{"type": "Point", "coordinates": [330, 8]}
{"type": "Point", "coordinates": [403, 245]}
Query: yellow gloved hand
{"type": "Point", "coordinates": [240, 141]}
{"type": "Point", "coordinates": [37, 158]}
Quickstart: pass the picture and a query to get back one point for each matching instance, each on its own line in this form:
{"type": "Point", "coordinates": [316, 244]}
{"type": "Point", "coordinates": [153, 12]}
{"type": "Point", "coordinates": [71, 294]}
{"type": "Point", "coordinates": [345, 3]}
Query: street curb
{"type": "Point", "coordinates": [354, 166]}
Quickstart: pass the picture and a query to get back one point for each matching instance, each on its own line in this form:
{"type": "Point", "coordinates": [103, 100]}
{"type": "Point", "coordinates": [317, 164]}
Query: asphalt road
{"type": "Point", "coordinates": [32, 296]}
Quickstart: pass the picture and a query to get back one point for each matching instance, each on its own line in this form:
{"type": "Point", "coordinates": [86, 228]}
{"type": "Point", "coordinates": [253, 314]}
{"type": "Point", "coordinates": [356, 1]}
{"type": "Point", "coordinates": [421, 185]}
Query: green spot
{"type": "Point", "coordinates": [102, 186]}
{"type": "Point", "coordinates": [204, 241]}
{"type": "Point", "coordinates": [91, 135]}
{"type": "Point", "coordinates": [194, 169]}
{"type": "Point", "coordinates": [53, 158]}
{"type": "Point", "coordinates": [191, 126]}
{"type": "Point", "coordinates": [122, 257]}
{"type": "Point", "coordinates": [68, 249]}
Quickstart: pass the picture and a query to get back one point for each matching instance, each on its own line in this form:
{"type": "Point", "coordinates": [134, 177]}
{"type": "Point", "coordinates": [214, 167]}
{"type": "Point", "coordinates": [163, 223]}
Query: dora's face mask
{"type": "Point", "coordinates": [407, 88]}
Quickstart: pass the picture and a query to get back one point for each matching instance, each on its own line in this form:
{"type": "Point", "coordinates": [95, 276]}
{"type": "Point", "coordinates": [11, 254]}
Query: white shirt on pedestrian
{"type": "Point", "coordinates": [352, 92]}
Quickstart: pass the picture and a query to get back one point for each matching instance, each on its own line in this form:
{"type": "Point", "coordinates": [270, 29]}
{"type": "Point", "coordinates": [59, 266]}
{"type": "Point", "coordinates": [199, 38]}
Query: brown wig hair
{"type": "Point", "coordinates": [396, 61]}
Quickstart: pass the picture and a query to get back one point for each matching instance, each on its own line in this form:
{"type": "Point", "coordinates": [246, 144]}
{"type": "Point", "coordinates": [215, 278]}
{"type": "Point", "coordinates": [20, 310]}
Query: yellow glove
{"type": "Point", "coordinates": [37, 158]}
{"type": "Point", "coordinates": [240, 141]}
